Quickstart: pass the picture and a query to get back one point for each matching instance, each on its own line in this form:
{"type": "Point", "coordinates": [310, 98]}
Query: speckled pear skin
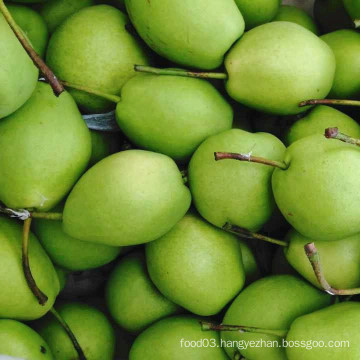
{"type": "Point", "coordinates": [16, 299]}
{"type": "Point", "coordinates": [21, 342]}
{"type": "Point", "coordinates": [131, 197]}
{"type": "Point", "coordinates": [275, 66]}
{"type": "Point", "coordinates": [170, 114]}
{"type": "Point", "coordinates": [343, 254]}
{"type": "Point", "coordinates": [234, 191]}
{"type": "Point", "coordinates": [162, 341]}
{"type": "Point", "coordinates": [132, 299]}
{"type": "Point", "coordinates": [38, 142]}
{"type": "Point", "coordinates": [32, 24]}
{"type": "Point", "coordinates": [18, 74]}
{"type": "Point", "coordinates": [346, 46]}
{"type": "Point", "coordinates": [190, 272]}
{"type": "Point", "coordinates": [258, 12]}
{"type": "Point", "coordinates": [92, 48]}
{"type": "Point", "coordinates": [273, 302]}
{"type": "Point", "coordinates": [336, 323]}
{"type": "Point", "coordinates": [320, 187]}
{"type": "Point", "coordinates": [317, 120]}
{"type": "Point", "coordinates": [193, 33]}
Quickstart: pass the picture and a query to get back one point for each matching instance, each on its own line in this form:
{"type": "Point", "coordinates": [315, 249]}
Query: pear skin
{"type": "Point", "coordinates": [38, 165]}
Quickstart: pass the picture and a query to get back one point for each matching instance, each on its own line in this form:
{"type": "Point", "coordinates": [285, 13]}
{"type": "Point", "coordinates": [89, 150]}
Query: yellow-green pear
{"type": "Point", "coordinates": [234, 191]}
{"type": "Point", "coordinates": [128, 198]}
{"type": "Point", "coordinates": [18, 74]}
{"type": "Point", "coordinates": [16, 299]}
{"type": "Point", "coordinates": [194, 33]}
{"type": "Point", "coordinates": [70, 253]}
{"type": "Point", "coordinates": [46, 146]}
{"type": "Point", "coordinates": [89, 325]}
{"type": "Point", "coordinates": [93, 48]}
{"type": "Point", "coordinates": [132, 299]}
{"type": "Point", "coordinates": [273, 302]}
{"type": "Point", "coordinates": [21, 342]}
{"type": "Point", "coordinates": [196, 265]}
{"type": "Point", "coordinates": [275, 66]}
{"type": "Point", "coordinates": [176, 338]}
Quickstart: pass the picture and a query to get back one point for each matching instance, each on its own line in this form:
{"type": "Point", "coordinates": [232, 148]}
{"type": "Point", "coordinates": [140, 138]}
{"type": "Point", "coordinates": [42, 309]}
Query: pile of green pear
{"type": "Point", "coordinates": [212, 213]}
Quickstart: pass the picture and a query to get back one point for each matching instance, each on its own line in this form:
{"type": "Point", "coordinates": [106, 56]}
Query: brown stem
{"type": "Point", "coordinates": [314, 258]}
{"type": "Point", "coordinates": [69, 333]}
{"type": "Point", "coordinates": [246, 234]}
{"type": "Point", "coordinates": [333, 133]}
{"type": "Point", "coordinates": [330, 102]}
{"type": "Point", "coordinates": [250, 158]}
{"type": "Point", "coordinates": [37, 60]}
{"type": "Point", "coordinates": [46, 215]}
{"type": "Point", "coordinates": [42, 298]}
{"type": "Point", "coordinates": [242, 329]}
{"type": "Point", "coordinates": [180, 72]}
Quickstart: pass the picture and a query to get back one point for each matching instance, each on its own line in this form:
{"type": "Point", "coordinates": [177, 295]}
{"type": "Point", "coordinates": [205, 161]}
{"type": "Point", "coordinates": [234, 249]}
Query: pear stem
{"type": "Point", "coordinates": [246, 234]}
{"type": "Point", "coordinates": [110, 97]}
{"type": "Point", "coordinates": [333, 133]}
{"type": "Point", "coordinates": [179, 72]}
{"type": "Point", "coordinates": [47, 215]}
{"type": "Point", "coordinates": [242, 329]}
{"type": "Point", "coordinates": [250, 158]}
{"type": "Point", "coordinates": [314, 258]}
{"type": "Point", "coordinates": [69, 333]}
{"type": "Point", "coordinates": [37, 60]}
{"type": "Point", "coordinates": [23, 214]}
{"type": "Point", "coordinates": [330, 102]}
{"type": "Point", "coordinates": [42, 298]}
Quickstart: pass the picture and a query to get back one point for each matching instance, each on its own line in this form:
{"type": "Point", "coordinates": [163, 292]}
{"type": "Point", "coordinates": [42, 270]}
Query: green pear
{"type": "Point", "coordinates": [230, 191]}
{"type": "Point", "coordinates": [331, 15]}
{"type": "Point", "coordinates": [18, 74]}
{"type": "Point", "coordinates": [335, 326]}
{"type": "Point", "coordinates": [258, 12]}
{"type": "Point", "coordinates": [346, 46]}
{"type": "Point", "coordinates": [175, 338]}
{"type": "Point", "coordinates": [252, 271]}
{"type": "Point", "coordinates": [317, 120]}
{"type": "Point", "coordinates": [103, 145]}
{"type": "Point", "coordinates": [28, 1]}
{"type": "Point", "coordinates": [301, 68]}
{"type": "Point", "coordinates": [32, 24]}
{"type": "Point", "coordinates": [92, 48]}
{"type": "Point", "coordinates": [16, 299]}
{"type": "Point", "coordinates": [343, 254]}
{"type": "Point", "coordinates": [297, 16]}
{"type": "Point", "coordinates": [55, 12]}
{"type": "Point", "coordinates": [120, 4]}
{"type": "Point", "coordinates": [170, 114]}
{"type": "Point", "coordinates": [196, 265]}
{"type": "Point", "coordinates": [45, 148]}
{"type": "Point", "coordinates": [62, 276]}
{"type": "Point", "coordinates": [132, 299]}
{"type": "Point", "coordinates": [128, 198]}
{"type": "Point", "coordinates": [319, 186]}
{"type": "Point", "coordinates": [190, 33]}
{"type": "Point", "coordinates": [353, 9]}
{"type": "Point", "coordinates": [273, 302]}
{"type": "Point", "coordinates": [70, 253]}
{"type": "Point", "coordinates": [90, 326]}
{"type": "Point", "coordinates": [20, 341]}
